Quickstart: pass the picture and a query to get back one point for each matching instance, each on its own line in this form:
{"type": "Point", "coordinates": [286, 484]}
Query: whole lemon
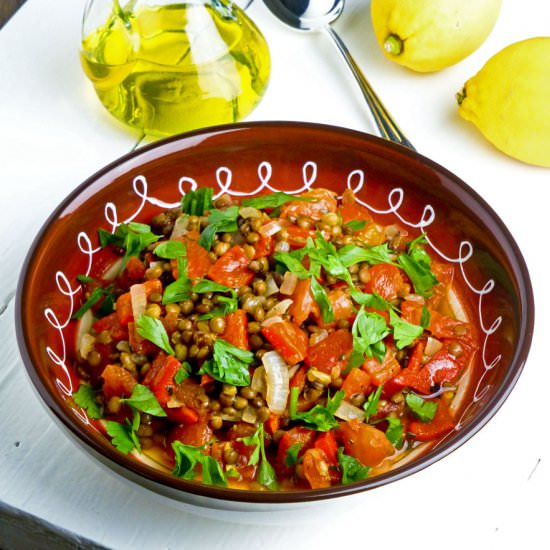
{"type": "Point", "coordinates": [509, 100]}
{"type": "Point", "coordinates": [429, 35]}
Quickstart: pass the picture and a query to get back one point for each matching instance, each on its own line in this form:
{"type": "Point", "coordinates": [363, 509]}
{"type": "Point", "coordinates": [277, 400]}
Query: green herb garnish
{"type": "Point", "coordinates": [124, 436]}
{"type": "Point", "coordinates": [95, 296]}
{"type": "Point", "coordinates": [153, 330]}
{"type": "Point", "coordinates": [417, 265]}
{"type": "Point", "coordinates": [144, 400]}
{"type": "Point", "coordinates": [188, 457]}
{"type": "Point", "coordinates": [85, 398]}
{"type": "Point", "coordinates": [291, 458]}
{"type": "Point", "coordinates": [274, 200]}
{"type": "Point", "coordinates": [322, 299]}
{"type": "Point", "coordinates": [422, 409]}
{"type": "Point", "coordinates": [394, 431]}
{"type": "Point", "coordinates": [132, 237]}
{"type": "Point", "coordinates": [183, 372]}
{"type": "Point", "coordinates": [266, 473]}
{"type": "Point", "coordinates": [352, 469]}
{"type": "Point", "coordinates": [218, 221]}
{"type": "Point", "coordinates": [351, 254]}
{"type": "Point", "coordinates": [228, 364]}
{"type": "Point", "coordinates": [404, 333]}
{"type": "Point", "coordinates": [318, 418]}
{"type": "Point", "coordinates": [371, 404]}
{"type": "Point", "coordinates": [368, 331]}
{"type": "Point", "coordinates": [355, 225]}
{"type": "Point", "coordinates": [196, 203]}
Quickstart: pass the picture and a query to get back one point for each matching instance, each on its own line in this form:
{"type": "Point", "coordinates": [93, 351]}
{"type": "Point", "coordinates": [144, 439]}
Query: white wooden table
{"type": "Point", "coordinates": [492, 492]}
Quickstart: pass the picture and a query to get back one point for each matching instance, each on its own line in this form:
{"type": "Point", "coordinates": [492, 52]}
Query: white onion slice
{"type": "Point", "coordinates": [84, 327]}
{"type": "Point", "coordinates": [114, 271]}
{"type": "Point", "coordinates": [139, 300]}
{"type": "Point", "coordinates": [258, 383]}
{"type": "Point", "coordinates": [281, 307]}
{"type": "Point", "coordinates": [270, 285]}
{"type": "Point", "coordinates": [290, 280]}
{"type": "Point", "coordinates": [270, 228]}
{"type": "Point", "coordinates": [180, 227]}
{"type": "Point", "coordinates": [249, 212]}
{"type": "Point", "coordinates": [347, 411]}
{"type": "Point", "coordinates": [276, 371]}
{"type": "Point", "coordinates": [433, 345]}
{"type": "Point", "coordinates": [272, 321]}
{"type": "Point", "coordinates": [317, 337]}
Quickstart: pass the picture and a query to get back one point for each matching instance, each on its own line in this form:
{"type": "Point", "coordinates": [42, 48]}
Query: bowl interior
{"type": "Point", "coordinates": [247, 159]}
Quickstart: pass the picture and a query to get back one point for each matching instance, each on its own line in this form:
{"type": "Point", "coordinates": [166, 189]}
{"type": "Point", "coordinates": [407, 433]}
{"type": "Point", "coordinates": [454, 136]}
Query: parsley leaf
{"type": "Point", "coordinates": [92, 300]}
{"type": "Point", "coordinates": [371, 404]}
{"type": "Point", "coordinates": [218, 221]}
{"type": "Point", "coordinates": [404, 333]}
{"type": "Point", "coordinates": [422, 409]}
{"type": "Point", "coordinates": [153, 330]}
{"type": "Point", "coordinates": [394, 431]}
{"type": "Point", "coordinates": [274, 200]}
{"type": "Point", "coordinates": [188, 457]}
{"type": "Point", "coordinates": [355, 225]}
{"type": "Point", "coordinates": [197, 202]}
{"type": "Point", "coordinates": [171, 250]}
{"type": "Point", "coordinates": [368, 331]}
{"type": "Point", "coordinates": [374, 300]}
{"type": "Point", "coordinates": [318, 418]}
{"type": "Point", "coordinates": [133, 237]}
{"type": "Point", "coordinates": [351, 254]}
{"type": "Point", "coordinates": [291, 458]}
{"type": "Point", "coordinates": [180, 289]}
{"type": "Point", "coordinates": [417, 265]}
{"type": "Point", "coordinates": [293, 262]}
{"type": "Point", "coordinates": [85, 398]}
{"type": "Point", "coordinates": [124, 436]}
{"type": "Point", "coordinates": [352, 469]}
{"type": "Point", "coordinates": [425, 317]}
{"type": "Point", "coordinates": [229, 364]}
{"type": "Point", "coordinates": [324, 254]}
{"type": "Point", "coordinates": [266, 473]}
{"type": "Point", "coordinates": [144, 400]}
{"type": "Point", "coordinates": [321, 297]}
{"type": "Point", "coordinates": [183, 372]}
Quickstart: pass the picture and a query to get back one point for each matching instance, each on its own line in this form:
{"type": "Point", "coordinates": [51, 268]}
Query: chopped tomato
{"type": "Point", "coordinates": [135, 269]}
{"type": "Point", "coordinates": [297, 236]}
{"type": "Point", "coordinates": [272, 423]}
{"type": "Point", "coordinates": [342, 306]}
{"type": "Point", "coordinates": [112, 324]}
{"type": "Point", "coordinates": [386, 280]}
{"type": "Point", "coordinates": [196, 434]}
{"type": "Point", "coordinates": [316, 469]}
{"type": "Point", "coordinates": [198, 259]}
{"type": "Point", "coordinates": [382, 372]}
{"type": "Point", "coordinates": [160, 377]}
{"type": "Point", "coordinates": [288, 339]}
{"type": "Point", "coordinates": [117, 381]}
{"type": "Point", "coordinates": [364, 442]}
{"type": "Point", "coordinates": [263, 247]}
{"type": "Point", "coordinates": [303, 303]}
{"type": "Point", "coordinates": [299, 378]}
{"type": "Point", "coordinates": [357, 381]}
{"type": "Point", "coordinates": [350, 210]}
{"type": "Point", "coordinates": [232, 269]}
{"type": "Point", "coordinates": [182, 415]}
{"type": "Point", "coordinates": [303, 436]}
{"type": "Point", "coordinates": [333, 351]}
{"type": "Point", "coordinates": [236, 329]}
{"type": "Point", "coordinates": [325, 201]}
{"type": "Point", "coordinates": [124, 301]}
{"type": "Point", "coordinates": [326, 441]}
{"type": "Point", "coordinates": [441, 424]}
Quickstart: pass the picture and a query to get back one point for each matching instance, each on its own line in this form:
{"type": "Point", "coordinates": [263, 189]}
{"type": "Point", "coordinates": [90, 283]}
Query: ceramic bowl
{"type": "Point", "coordinates": [244, 160]}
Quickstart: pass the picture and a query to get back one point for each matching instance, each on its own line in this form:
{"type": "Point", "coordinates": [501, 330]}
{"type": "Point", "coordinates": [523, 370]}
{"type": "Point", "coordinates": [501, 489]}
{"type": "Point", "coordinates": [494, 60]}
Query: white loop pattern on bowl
{"type": "Point", "coordinates": [355, 181]}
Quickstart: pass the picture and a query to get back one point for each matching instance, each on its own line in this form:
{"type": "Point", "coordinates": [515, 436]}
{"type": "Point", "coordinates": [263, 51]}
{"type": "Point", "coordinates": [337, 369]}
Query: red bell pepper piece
{"type": "Point", "coordinates": [135, 269]}
{"type": "Point", "coordinates": [333, 351]}
{"type": "Point", "coordinates": [304, 436]}
{"type": "Point", "coordinates": [198, 259]}
{"type": "Point", "coordinates": [441, 424]}
{"type": "Point", "coordinates": [303, 303]}
{"type": "Point", "coordinates": [364, 442]}
{"type": "Point", "coordinates": [236, 329]}
{"type": "Point", "coordinates": [263, 247]}
{"type": "Point", "coordinates": [124, 301]}
{"type": "Point", "coordinates": [387, 280]}
{"type": "Point", "coordinates": [357, 381]}
{"type": "Point", "coordinates": [112, 324]}
{"type": "Point", "coordinates": [326, 441]}
{"type": "Point", "coordinates": [288, 339]}
{"type": "Point", "coordinates": [232, 269]}
{"type": "Point", "coordinates": [117, 381]}
{"type": "Point", "coordinates": [160, 377]}
{"type": "Point", "coordinates": [324, 201]}
{"type": "Point", "coordinates": [297, 236]}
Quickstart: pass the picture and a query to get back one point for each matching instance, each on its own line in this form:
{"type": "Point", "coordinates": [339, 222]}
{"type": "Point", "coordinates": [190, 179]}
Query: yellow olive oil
{"type": "Point", "coordinates": [173, 68]}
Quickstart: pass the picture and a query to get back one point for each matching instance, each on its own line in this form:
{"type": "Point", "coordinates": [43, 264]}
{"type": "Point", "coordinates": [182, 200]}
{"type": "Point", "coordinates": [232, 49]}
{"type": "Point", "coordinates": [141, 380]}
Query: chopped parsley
{"type": "Point", "coordinates": [394, 431]}
{"type": "Point", "coordinates": [352, 469]}
{"type": "Point", "coordinates": [368, 330]}
{"type": "Point", "coordinates": [153, 330]}
{"type": "Point", "coordinates": [371, 404]}
{"type": "Point", "coordinates": [417, 265]}
{"type": "Point", "coordinates": [422, 409]}
{"type": "Point", "coordinates": [228, 364]}
{"type": "Point", "coordinates": [85, 398]}
{"type": "Point", "coordinates": [274, 200]}
{"type": "Point", "coordinates": [132, 237]}
{"type": "Point", "coordinates": [189, 457]}
{"type": "Point", "coordinates": [318, 418]}
{"type": "Point", "coordinates": [218, 221]}
{"type": "Point", "coordinates": [144, 400]}
{"type": "Point", "coordinates": [404, 333]}
{"type": "Point", "coordinates": [266, 473]}
{"type": "Point", "coordinates": [196, 203]}
{"type": "Point", "coordinates": [124, 436]}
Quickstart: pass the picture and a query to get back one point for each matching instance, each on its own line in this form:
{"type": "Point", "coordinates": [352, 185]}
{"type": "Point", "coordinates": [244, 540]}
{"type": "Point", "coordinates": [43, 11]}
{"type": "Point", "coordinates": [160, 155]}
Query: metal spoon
{"type": "Point", "coordinates": [316, 15]}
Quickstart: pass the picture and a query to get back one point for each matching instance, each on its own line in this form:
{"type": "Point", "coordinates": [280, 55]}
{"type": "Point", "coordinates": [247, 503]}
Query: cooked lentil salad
{"type": "Point", "coordinates": [280, 342]}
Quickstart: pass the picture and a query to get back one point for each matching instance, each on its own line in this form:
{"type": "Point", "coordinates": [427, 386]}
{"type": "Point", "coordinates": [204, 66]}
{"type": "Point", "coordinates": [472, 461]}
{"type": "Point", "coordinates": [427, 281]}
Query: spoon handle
{"type": "Point", "coordinates": [386, 125]}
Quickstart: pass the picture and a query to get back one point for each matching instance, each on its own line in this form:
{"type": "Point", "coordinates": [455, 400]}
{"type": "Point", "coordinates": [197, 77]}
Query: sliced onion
{"type": "Point", "coordinates": [290, 280]}
{"type": "Point", "coordinates": [282, 246]}
{"type": "Point", "coordinates": [84, 327]}
{"type": "Point", "coordinates": [270, 285]}
{"type": "Point", "coordinates": [281, 307]}
{"type": "Point", "coordinates": [180, 227]}
{"type": "Point", "coordinates": [272, 321]}
{"type": "Point", "coordinates": [271, 228]}
{"type": "Point", "coordinates": [139, 300]}
{"type": "Point", "coordinates": [249, 212]}
{"type": "Point", "coordinates": [415, 298]}
{"type": "Point", "coordinates": [347, 411]}
{"type": "Point", "coordinates": [277, 380]}
{"type": "Point", "coordinates": [250, 415]}
{"type": "Point", "coordinates": [114, 271]}
{"type": "Point", "coordinates": [433, 345]}
{"type": "Point", "coordinates": [258, 383]}
{"type": "Point", "coordinates": [317, 337]}
{"type": "Point", "coordinates": [293, 370]}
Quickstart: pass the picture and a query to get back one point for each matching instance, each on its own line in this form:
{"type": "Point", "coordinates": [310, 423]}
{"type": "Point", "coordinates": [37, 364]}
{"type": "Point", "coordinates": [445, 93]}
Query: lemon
{"type": "Point", "coordinates": [509, 101]}
{"type": "Point", "coordinates": [429, 35]}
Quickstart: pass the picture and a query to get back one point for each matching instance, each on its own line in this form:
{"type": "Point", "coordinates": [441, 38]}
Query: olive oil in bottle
{"type": "Point", "coordinates": [172, 68]}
